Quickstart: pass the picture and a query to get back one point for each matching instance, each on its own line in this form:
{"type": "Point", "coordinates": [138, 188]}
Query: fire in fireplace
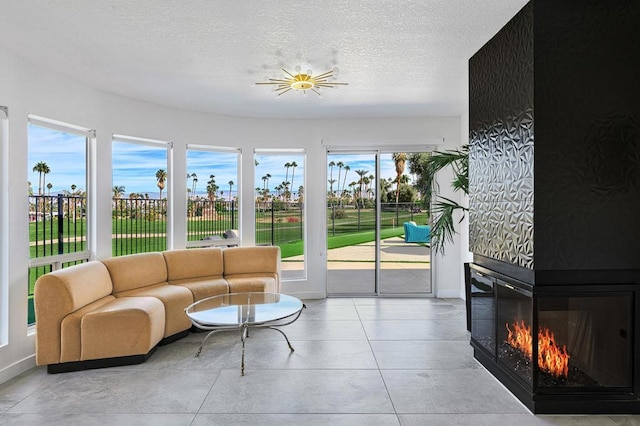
{"type": "Point", "coordinates": [553, 359]}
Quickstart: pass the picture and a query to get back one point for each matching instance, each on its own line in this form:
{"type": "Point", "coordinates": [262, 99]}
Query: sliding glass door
{"type": "Point", "coordinates": [377, 225]}
{"type": "Point", "coordinates": [351, 223]}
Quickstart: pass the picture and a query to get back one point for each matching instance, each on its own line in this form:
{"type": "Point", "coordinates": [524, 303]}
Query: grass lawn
{"type": "Point", "coordinates": [296, 248]}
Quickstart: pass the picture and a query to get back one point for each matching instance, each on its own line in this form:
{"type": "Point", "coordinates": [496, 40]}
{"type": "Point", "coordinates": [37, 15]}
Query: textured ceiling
{"type": "Point", "coordinates": [401, 58]}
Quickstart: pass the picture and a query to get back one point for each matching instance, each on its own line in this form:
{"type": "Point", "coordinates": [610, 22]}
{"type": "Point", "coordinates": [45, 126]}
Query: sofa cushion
{"type": "Point", "coordinates": [246, 260]}
{"type": "Point", "coordinates": [127, 326]}
{"type": "Point", "coordinates": [252, 262]}
{"type": "Point", "coordinates": [175, 299]}
{"type": "Point", "coordinates": [136, 270]}
{"type": "Point", "coordinates": [60, 293]}
{"type": "Point", "coordinates": [242, 283]}
{"type": "Point", "coordinates": [71, 330]}
{"type": "Point", "coordinates": [193, 263]}
{"type": "Point", "coordinates": [201, 288]}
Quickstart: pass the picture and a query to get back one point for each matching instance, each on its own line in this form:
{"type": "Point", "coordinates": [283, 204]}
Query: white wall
{"type": "Point", "coordinates": [28, 90]}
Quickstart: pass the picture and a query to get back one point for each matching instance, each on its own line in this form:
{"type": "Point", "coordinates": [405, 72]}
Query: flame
{"type": "Point", "coordinates": [552, 358]}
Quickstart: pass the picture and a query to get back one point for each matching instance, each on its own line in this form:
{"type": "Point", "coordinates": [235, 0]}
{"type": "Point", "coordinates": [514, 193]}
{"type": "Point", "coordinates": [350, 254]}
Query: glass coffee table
{"type": "Point", "coordinates": [242, 311]}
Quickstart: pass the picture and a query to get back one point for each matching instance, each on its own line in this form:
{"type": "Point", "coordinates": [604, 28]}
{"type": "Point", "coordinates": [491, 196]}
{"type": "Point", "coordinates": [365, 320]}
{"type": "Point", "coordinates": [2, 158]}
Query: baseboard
{"type": "Point", "coordinates": [17, 368]}
{"type": "Point", "coordinates": [307, 295]}
{"type": "Point", "coordinates": [449, 294]}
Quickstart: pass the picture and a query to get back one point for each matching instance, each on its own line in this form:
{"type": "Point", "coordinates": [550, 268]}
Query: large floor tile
{"type": "Point", "coordinates": [121, 390]}
{"type": "Point", "coordinates": [416, 330]}
{"type": "Point", "coordinates": [297, 419]}
{"type": "Point", "coordinates": [299, 391]}
{"type": "Point", "coordinates": [423, 354]}
{"type": "Point", "coordinates": [181, 355]}
{"type": "Point", "coordinates": [410, 312]}
{"type": "Point", "coordinates": [501, 419]}
{"type": "Point", "coordinates": [326, 311]}
{"type": "Point", "coordinates": [97, 419]}
{"type": "Point", "coordinates": [312, 354]}
{"type": "Point", "coordinates": [22, 386]}
{"type": "Point", "coordinates": [315, 330]}
{"type": "Point", "coordinates": [449, 391]}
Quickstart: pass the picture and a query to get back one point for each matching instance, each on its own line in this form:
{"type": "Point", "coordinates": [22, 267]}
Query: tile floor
{"type": "Point", "coordinates": [357, 362]}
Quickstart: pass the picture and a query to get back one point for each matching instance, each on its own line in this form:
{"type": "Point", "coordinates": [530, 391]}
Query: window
{"type": "Point", "coordinates": [279, 207]}
{"type": "Point", "coordinates": [212, 194]}
{"type": "Point", "coordinates": [57, 197]}
{"type": "Point", "coordinates": [140, 194]}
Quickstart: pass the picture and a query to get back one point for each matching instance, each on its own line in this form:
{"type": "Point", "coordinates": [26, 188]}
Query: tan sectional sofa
{"type": "Point", "coordinates": [116, 311]}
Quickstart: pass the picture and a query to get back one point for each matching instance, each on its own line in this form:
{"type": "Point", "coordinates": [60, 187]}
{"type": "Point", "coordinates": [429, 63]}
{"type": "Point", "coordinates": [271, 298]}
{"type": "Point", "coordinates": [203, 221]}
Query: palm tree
{"type": "Point", "coordinates": [399, 158]}
{"type": "Point", "coordinates": [194, 182]}
{"type": "Point", "coordinates": [331, 194]}
{"type": "Point", "coordinates": [212, 188]}
{"type": "Point", "coordinates": [331, 181]}
{"type": "Point", "coordinates": [362, 174]}
{"type": "Point", "coordinates": [287, 165]}
{"type": "Point", "coordinates": [293, 171]}
{"type": "Point", "coordinates": [301, 194]}
{"type": "Point", "coordinates": [42, 169]}
{"type": "Point", "coordinates": [161, 176]}
{"type": "Point", "coordinates": [346, 171]}
{"type": "Point", "coordinates": [231, 183]}
{"type": "Point", "coordinates": [340, 165]}
{"type": "Point", "coordinates": [49, 186]}
{"type": "Point", "coordinates": [118, 191]}
{"type": "Point", "coordinates": [442, 224]}
{"type": "Point", "coordinates": [372, 179]}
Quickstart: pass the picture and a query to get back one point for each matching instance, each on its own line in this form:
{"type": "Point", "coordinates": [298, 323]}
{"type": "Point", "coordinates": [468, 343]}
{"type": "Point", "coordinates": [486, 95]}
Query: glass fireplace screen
{"type": "Point", "coordinates": [583, 340]}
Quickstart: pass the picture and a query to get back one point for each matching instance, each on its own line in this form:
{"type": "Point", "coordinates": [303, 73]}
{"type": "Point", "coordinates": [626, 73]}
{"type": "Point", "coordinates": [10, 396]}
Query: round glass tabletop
{"type": "Point", "coordinates": [236, 309]}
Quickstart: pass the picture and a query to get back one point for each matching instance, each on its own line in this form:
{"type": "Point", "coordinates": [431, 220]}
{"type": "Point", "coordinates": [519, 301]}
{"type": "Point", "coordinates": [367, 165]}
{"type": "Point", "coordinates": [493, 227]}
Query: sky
{"type": "Point", "coordinates": [135, 165]}
{"type": "Point", "coordinates": [65, 155]}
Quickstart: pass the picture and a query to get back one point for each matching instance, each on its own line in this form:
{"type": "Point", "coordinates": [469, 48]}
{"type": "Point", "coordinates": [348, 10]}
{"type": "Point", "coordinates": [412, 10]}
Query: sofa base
{"type": "Point", "coordinates": [173, 338]}
{"type": "Point", "coordinates": [90, 364]}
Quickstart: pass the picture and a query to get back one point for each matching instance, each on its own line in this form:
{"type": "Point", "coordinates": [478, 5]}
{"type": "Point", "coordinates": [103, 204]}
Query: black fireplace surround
{"type": "Point", "coordinates": [554, 209]}
{"type": "Point", "coordinates": [559, 349]}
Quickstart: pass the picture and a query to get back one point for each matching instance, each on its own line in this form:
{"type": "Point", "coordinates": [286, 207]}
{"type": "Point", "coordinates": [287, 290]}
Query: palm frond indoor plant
{"type": "Point", "coordinates": [443, 224]}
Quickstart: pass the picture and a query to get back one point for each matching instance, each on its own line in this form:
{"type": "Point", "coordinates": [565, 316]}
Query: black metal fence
{"type": "Point", "coordinates": [57, 224]}
{"type": "Point", "coordinates": [139, 225]}
{"type": "Point", "coordinates": [208, 218]}
{"type": "Point", "coordinates": [357, 218]}
{"type": "Point", "coordinates": [279, 223]}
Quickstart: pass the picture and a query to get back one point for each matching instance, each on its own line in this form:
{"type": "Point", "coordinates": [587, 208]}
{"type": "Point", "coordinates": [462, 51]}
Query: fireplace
{"type": "Point", "coordinates": [559, 349]}
{"type": "Point", "coordinates": [554, 137]}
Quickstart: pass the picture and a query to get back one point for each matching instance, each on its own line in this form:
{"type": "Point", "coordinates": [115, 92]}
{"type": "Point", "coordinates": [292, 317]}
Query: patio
{"type": "Point", "coordinates": [405, 268]}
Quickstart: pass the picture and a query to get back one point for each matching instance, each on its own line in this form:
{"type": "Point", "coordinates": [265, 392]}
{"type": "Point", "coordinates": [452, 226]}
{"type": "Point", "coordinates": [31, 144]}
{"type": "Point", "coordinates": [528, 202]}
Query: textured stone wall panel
{"type": "Point", "coordinates": [501, 145]}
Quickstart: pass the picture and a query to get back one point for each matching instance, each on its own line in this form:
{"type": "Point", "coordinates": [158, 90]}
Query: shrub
{"type": "Point", "coordinates": [293, 219]}
{"type": "Point", "coordinates": [338, 214]}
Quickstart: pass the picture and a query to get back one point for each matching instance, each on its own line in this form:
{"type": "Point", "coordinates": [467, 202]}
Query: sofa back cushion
{"type": "Point", "coordinates": [249, 260]}
{"type": "Point", "coordinates": [136, 270]}
{"type": "Point", "coordinates": [59, 293]}
{"type": "Point", "coordinates": [193, 263]}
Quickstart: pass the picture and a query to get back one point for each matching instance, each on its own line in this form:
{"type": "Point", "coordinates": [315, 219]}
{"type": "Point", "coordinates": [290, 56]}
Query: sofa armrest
{"type": "Point", "coordinates": [60, 293]}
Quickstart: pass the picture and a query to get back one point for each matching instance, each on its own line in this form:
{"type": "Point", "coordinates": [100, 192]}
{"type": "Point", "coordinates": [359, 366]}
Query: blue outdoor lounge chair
{"type": "Point", "coordinates": [416, 233]}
